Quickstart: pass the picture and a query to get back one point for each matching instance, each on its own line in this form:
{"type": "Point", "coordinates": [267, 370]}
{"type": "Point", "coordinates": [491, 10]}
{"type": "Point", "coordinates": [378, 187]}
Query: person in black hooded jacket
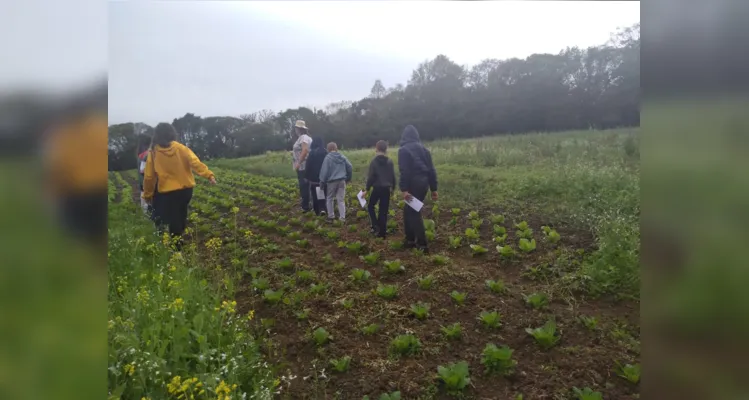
{"type": "Point", "coordinates": [315, 158]}
{"type": "Point", "coordinates": [417, 176]}
{"type": "Point", "coordinates": [381, 179]}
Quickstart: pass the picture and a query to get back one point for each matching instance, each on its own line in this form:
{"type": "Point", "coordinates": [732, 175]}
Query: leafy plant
{"type": "Point", "coordinates": [497, 219]}
{"type": "Point", "coordinates": [497, 286]}
{"type": "Point", "coordinates": [295, 235]}
{"type": "Point", "coordinates": [430, 235]}
{"type": "Point", "coordinates": [347, 303]}
{"type": "Point", "coordinates": [524, 234]}
{"type": "Point", "coordinates": [458, 297]}
{"type": "Point", "coordinates": [390, 396]}
{"type": "Point", "coordinates": [371, 258]}
{"type": "Point", "coordinates": [387, 291]}
{"type": "Point", "coordinates": [589, 322]}
{"type": "Point", "coordinates": [522, 225]}
{"type": "Point", "coordinates": [361, 214]}
{"type": "Point", "coordinates": [499, 230]}
{"type": "Point", "coordinates": [360, 275]}
{"type": "Point", "coordinates": [273, 296]}
{"type": "Point", "coordinates": [472, 234]}
{"type": "Point", "coordinates": [318, 288]}
{"type": "Point", "coordinates": [586, 394]}
{"type": "Point", "coordinates": [261, 283]}
{"type": "Point", "coordinates": [476, 223]}
{"type": "Point", "coordinates": [341, 364]}
{"type": "Point", "coordinates": [394, 267]}
{"type": "Point", "coordinates": [333, 235]}
{"type": "Point", "coordinates": [354, 247]}
{"type": "Point", "coordinates": [395, 245]}
{"type": "Point", "coordinates": [420, 310]}
{"type": "Point", "coordinates": [305, 276]}
{"type": "Point", "coordinates": [473, 215]}
{"type": "Point", "coordinates": [506, 251]}
{"type": "Point", "coordinates": [453, 331]}
{"type": "Point", "coordinates": [371, 329]}
{"type": "Point", "coordinates": [537, 300]}
{"type": "Point", "coordinates": [429, 225]}
{"type": "Point", "coordinates": [553, 236]}
{"type": "Point", "coordinates": [546, 336]}
{"type": "Point", "coordinates": [286, 264]}
{"type": "Point", "coordinates": [439, 259]}
{"type": "Point", "coordinates": [498, 359]}
{"type": "Point", "coordinates": [425, 282]}
{"type": "Point", "coordinates": [455, 241]}
{"type": "Point", "coordinates": [490, 319]}
{"type": "Point", "coordinates": [321, 336]}
{"type": "Point", "coordinates": [254, 272]}
{"type": "Point", "coordinates": [455, 212]}
{"type": "Point", "coordinates": [629, 372]}
{"type": "Point", "coordinates": [478, 250]}
{"type": "Point", "coordinates": [293, 299]}
{"type": "Point", "coordinates": [302, 314]}
{"type": "Point", "coordinates": [500, 239]}
{"type": "Point", "coordinates": [455, 376]}
{"type": "Point", "coordinates": [405, 345]}
{"type": "Point", "coordinates": [526, 245]}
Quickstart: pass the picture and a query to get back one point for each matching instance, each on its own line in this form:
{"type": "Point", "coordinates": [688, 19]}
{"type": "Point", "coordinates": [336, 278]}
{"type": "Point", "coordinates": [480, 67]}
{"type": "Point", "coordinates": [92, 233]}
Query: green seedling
{"type": "Point", "coordinates": [506, 251]}
{"type": "Point", "coordinates": [355, 247]}
{"type": "Point", "coordinates": [390, 396]}
{"type": "Point", "coordinates": [589, 322]}
{"type": "Point", "coordinates": [478, 250]}
{"type": "Point", "coordinates": [425, 282]}
{"type": "Point", "coordinates": [499, 230]}
{"type": "Point", "coordinates": [546, 336]}
{"type": "Point", "coordinates": [395, 245]}
{"type": "Point", "coordinates": [497, 219]}
{"type": "Point", "coordinates": [320, 336]}
{"type": "Point", "coordinates": [347, 303]}
{"type": "Point", "coordinates": [473, 215]}
{"type": "Point", "coordinates": [360, 275]}
{"type": "Point", "coordinates": [476, 223]}
{"type": "Point", "coordinates": [371, 258]}
{"type": "Point", "coordinates": [490, 319]}
{"type": "Point", "coordinates": [439, 259]}
{"type": "Point", "coordinates": [527, 245]}
{"type": "Point", "coordinates": [455, 212]}
{"type": "Point", "coordinates": [629, 372]}
{"type": "Point", "coordinates": [497, 286]}
{"type": "Point", "coordinates": [286, 264]}
{"type": "Point", "coordinates": [553, 237]}
{"type": "Point", "coordinates": [537, 300]}
{"type": "Point", "coordinates": [387, 292]}
{"type": "Point", "coordinates": [458, 297]}
{"type": "Point", "coordinates": [586, 394]}
{"type": "Point", "coordinates": [254, 272]}
{"type": "Point", "coordinates": [455, 376]}
{"type": "Point", "coordinates": [498, 359]}
{"type": "Point", "coordinates": [453, 331]}
{"type": "Point", "coordinates": [455, 241]}
{"type": "Point", "coordinates": [273, 296]}
{"type": "Point", "coordinates": [302, 314]}
{"type": "Point", "coordinates": [420, 310]}
{"type": "Point", "coordinates": [405, 345]}
{"type": "Point", "coordinates": [371, 329]}
{"type": "Point", "coordinates": [305, 276]}
{"type": "Point", "coordinates": [394, 267]}
{"type": "Point", "coordinates": [472, 234]}
{"type": "Point", "coordinates": [261, 284]}
{"type": "Point", "coordinates": [341, 364]}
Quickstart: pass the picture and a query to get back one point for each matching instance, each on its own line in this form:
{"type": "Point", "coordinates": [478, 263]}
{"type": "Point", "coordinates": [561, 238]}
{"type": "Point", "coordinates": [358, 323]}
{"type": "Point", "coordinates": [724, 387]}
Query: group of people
{"type": "Point", "coordinates": [167, 181]}
{"type": "Point", "coordinates": [323, 174]}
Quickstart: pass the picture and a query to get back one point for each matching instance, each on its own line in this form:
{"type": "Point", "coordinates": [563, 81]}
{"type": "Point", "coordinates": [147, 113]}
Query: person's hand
{"type": "Point", "coordinates": [212, 180]}
{"type": "Point", "coordinates": [296, 166]}
{"type": "Point", "coordinates": [434, 196]}
{"type": "Point", "coordinates": [407, 196]}
{"type": "Point", "coordinates": [148, 200]}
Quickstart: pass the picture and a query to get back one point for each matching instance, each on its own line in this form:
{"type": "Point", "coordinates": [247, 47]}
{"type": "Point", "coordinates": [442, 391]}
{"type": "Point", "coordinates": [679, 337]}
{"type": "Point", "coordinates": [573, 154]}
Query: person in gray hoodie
{"type": "Point", "coordinates": [335, 173]}
{"type": "Point", "coordinates": [417, 177]}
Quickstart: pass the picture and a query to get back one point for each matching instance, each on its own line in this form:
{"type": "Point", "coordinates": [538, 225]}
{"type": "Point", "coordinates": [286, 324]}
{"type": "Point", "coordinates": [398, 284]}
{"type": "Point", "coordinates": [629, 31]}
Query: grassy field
{"type": "Point", "coordinates": [530, 292]}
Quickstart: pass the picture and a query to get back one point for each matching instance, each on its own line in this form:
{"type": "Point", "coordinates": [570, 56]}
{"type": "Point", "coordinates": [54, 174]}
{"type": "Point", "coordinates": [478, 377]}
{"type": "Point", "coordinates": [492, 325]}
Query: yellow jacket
{"type": "Point", "coordinates": [77, 156]}
{"type": "Point", "coordinates": [172, 166]}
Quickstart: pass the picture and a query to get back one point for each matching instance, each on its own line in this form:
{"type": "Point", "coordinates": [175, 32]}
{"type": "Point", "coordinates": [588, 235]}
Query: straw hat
{"type": "Point", "coordinates": [301, 124]}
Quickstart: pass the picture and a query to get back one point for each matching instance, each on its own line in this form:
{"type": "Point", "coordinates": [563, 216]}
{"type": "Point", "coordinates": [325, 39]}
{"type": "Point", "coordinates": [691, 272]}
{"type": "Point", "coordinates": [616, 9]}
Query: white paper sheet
{"type": "Point", "coordinates": [142, 166]}
{"type": "Point", "coordinates": [415, 203]}
{"type": "Point", "coordinates": [361, 198]}
{"type": "Point", "coordinates": [320, 193]}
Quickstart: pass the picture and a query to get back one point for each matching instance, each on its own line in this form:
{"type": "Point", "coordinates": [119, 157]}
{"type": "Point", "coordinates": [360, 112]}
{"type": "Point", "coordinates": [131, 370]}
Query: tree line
{"type": "Point", "coordinates": [593, 88]}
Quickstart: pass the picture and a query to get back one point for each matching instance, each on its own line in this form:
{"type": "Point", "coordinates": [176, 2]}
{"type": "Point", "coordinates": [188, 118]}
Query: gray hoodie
{"type": "Point", "coordinates": [335, 167]}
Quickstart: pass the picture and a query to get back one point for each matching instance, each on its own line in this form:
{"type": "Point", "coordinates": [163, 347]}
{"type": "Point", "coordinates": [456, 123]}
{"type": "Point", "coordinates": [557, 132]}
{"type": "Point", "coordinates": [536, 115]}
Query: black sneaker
{"type": "Point", "coordinates": [373, 231]}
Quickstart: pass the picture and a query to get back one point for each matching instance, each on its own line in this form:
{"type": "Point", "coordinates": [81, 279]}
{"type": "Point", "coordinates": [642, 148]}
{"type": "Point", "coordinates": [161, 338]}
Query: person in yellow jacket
{"type": "Point", "coordinates": [171, 164]}
{"type": "Point", "coordinates": [75, 161]}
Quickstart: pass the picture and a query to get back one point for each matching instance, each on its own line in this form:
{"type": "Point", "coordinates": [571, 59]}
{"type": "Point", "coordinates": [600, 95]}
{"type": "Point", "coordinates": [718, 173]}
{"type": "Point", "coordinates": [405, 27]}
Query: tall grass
{"type": "Point", "coordinates": [173, 332]}
{"type": "Point", "coordinates": [584, 179]}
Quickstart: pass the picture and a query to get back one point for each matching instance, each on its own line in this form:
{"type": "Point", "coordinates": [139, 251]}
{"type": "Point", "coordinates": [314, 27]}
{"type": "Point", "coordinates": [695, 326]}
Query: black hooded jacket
{"type": "Point", "coordinates": [381, 173]}
{"type": "Point", "coordinates": [414, 160]}
{"type": "Point", "coordinates": [315, 158]}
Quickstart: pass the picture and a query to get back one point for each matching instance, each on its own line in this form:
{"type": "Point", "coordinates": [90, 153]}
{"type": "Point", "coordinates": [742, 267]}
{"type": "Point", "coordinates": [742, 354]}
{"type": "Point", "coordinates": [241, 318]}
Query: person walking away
{"type": "Point", "coordinates": [381, 179]}
{"type": "Point", "coordinates": [315, 159]}
{"type": "Point", "coordinates": [172, 163]}
{"type": "Point", "coordinates": [299, 153]}
{"type": "Point", "coordinates": [417, 176]}
{"type": "Point", "coordinates": [335, 173]}
{"type": "Point", "coordinates": [142, 157]}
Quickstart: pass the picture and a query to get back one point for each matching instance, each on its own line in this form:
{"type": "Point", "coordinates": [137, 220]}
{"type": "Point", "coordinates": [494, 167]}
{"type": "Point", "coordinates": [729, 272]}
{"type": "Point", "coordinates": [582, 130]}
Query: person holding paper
{"type": "Point", "coordinates": [381, 179]}
{"type": "Point", "coordinates": [299, 153]}
{"type": "Point", "coordinates": [417, 176]}
{"type": "Point", "coordinates": [335, 173]}
{"type": "Point", "coordinates": [142, 158]}
{"type": "Point", "coordinates": [315, 159]}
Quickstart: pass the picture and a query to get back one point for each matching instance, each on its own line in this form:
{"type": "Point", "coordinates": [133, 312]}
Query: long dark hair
{"type": "Point", "coordinates": [164, 134]}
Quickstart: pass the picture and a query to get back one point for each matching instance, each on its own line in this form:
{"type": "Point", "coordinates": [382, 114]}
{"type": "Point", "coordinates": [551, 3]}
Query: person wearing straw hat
{"type": "Point", "coordinates": [299, 153]}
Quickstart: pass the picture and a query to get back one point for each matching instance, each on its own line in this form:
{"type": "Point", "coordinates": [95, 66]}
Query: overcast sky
{"type": "Point", "coordinates": [230, 58]}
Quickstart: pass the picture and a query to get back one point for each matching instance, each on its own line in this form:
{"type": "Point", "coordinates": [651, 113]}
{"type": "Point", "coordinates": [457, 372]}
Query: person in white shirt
{"type": "Point", "coordinates": [299, 153]}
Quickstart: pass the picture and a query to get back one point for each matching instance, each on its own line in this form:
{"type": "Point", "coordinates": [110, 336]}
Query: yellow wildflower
{"type": "Point", "coordinates": [248, 234]}
{"type": "Point", "coordinates": [235, 210]}
{"type": "Point", "coordinates": [143, 296]}
{"type": "Point", "coordinates": [229, 306]}
{"type": "Point", "coordinates": [177, 305]}
{"type": "Point", "coordinates": [251, 315]}
{"type": "Point", "coordinates": [213, 244]}
{"type": "Point", "coordinates": [129, 369]}
{"type": "Point", "coordinates": [110, 324]}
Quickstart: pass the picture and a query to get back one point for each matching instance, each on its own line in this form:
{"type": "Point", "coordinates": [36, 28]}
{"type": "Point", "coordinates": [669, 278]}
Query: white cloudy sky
{"type": "Point", "coordinates": [228, 58]}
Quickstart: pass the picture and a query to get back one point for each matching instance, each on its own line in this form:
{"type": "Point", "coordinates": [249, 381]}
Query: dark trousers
{"type": "Point", "coordinates": [318, 205]}
{"type": "Point", "coordinates": [414, 224]}
{"type": "Point", "coordinates": [379, 195]}
{"type": "Point", "coordinates": [303, 190]}
{"type": "Point", "coordinates": [174, 212]}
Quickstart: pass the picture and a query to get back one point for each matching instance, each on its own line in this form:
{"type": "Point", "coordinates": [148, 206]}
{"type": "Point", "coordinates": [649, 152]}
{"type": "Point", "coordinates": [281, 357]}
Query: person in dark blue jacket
{"type": "Point", "coordinates": [315, 158]}
{"type": "Point", "coordinates": [417, 176]}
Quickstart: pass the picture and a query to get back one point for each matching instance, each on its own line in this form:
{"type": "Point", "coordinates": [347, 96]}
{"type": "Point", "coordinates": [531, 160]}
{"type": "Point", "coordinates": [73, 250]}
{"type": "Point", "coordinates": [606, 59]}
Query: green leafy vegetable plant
{"type": "Point", "coordinates": [360, 275]}
{"type": "Point", "coordinates": [586, 394]}
{"type": "Point", "coordinates": [546, 336]}
{"type": "Point", "coordinates": [341, 364]}
{"type": "Point", "coordinates": [371, 258]}
{"type": "Point", "coordinates": [498, 359]}
{"type": "Point", "coordinates": [537, 300]}
{"type": "Point", "coordinates": [497, 286]}
{"type": "Point", "coordinates": [320, 336]}
{"type": "Point", "coordinates": [420, 310]}
{"type": "Point", "coordinates": [452, 331]}
{"type": "Point", "coordinates": [273, 296]}
{"type": "Point", "coordinates": [589, 322]}
{"type": "Point", "coordinates": [527, 245]}
{"type": "Point", "coordinates": [394, 267]}
{"type": "Point", "coordinates": [387, 291]}
{"type": "Point", "coordinates": [425, 282]}
{"type": "Point", "coordinates": [405, 345]}
{"type": "Point", "coordinates": [478, 250]}
{"type": "Point", "coordinates": [455, 376]}
{"type": "Point", "coordinates": [490, 319]}
{"type": "Point", "coordinates": [629, 372]}
{"type": "Point", "coordinates": [458, 297]}
{"type": "Point", "coordinates": [506, 251]}
{"type": "Point", "coordinates": [370, 329]}
{"type": "Point", "coordinates": [455, 241]}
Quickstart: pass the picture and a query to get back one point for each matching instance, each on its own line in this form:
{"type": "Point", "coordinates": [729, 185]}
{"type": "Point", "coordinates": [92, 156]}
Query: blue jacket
{"type": "Point", "coordinates": [335, 167]}
{"type": "Point", "coordinates": [414, 160]}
